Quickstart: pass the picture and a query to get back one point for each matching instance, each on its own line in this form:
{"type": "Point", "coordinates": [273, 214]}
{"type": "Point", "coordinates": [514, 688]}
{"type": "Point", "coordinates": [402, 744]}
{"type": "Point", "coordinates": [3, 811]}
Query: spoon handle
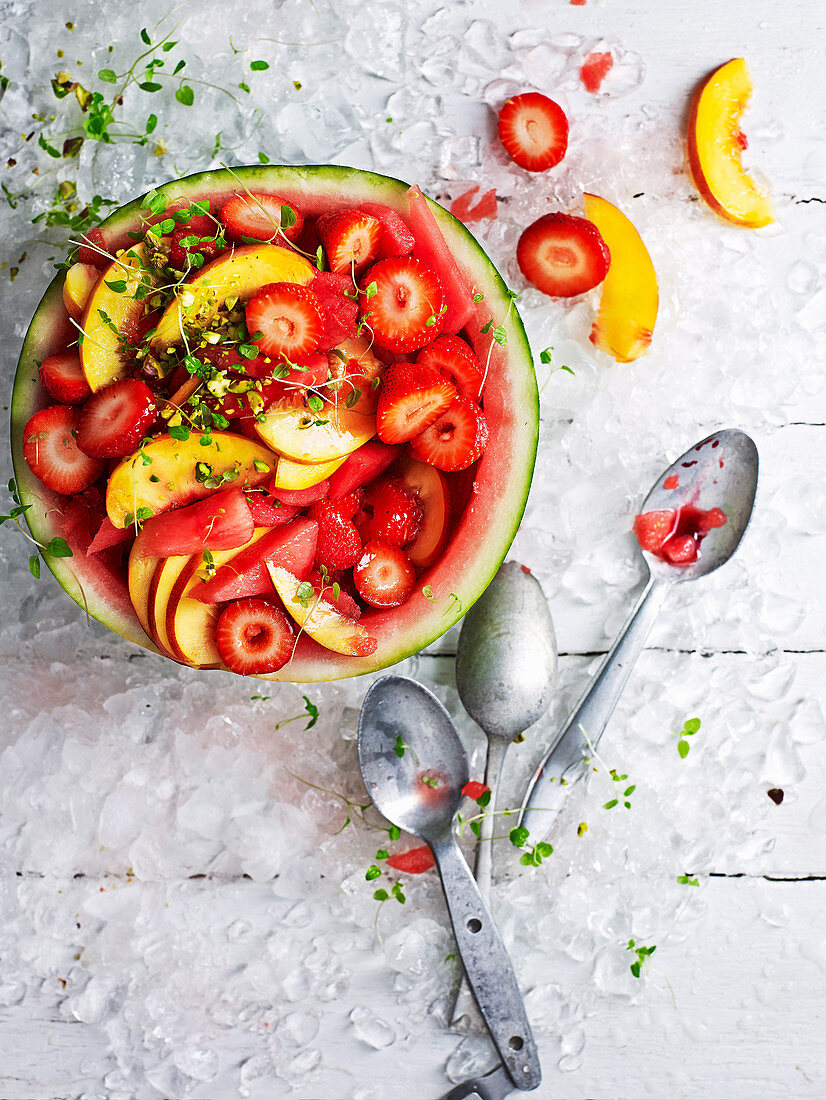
{"type": "Point", "coordinates": [464, 1015]}
{"type": "Point", "coordinates": [544, 797]}
{"type": "Point", "coordinates": [487, 966]}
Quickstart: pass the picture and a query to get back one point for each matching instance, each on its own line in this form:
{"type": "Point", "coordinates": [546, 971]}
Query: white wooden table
{"type": "Point", "coordinates": [179, 915]}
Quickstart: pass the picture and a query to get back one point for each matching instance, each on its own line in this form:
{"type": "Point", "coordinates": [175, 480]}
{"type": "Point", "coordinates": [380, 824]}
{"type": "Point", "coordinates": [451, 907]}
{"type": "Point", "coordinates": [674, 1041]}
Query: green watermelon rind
{"type": "Point", "coordinates": [492, 518]}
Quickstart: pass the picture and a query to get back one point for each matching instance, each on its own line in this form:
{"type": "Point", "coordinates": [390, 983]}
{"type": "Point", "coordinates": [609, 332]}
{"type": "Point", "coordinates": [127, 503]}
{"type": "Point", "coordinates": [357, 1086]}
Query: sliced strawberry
{"type": "Point", "coordinates": [456, 440]}
{"type": "Point", "coordinates": [266, 510]}
{"type": "Point", "coordinates": [115, 419]}
{"type": "Point", "coordinates": [218, 522]}
{"type": "Point", "coordinates": [653, 528]}
{"type": "Point", "coordinates": [394, 514]}
{"type": "Point", "coordinates": [407, 309]}
{"type": "Point", "coordinates": [563, 255]}
{"type": "Point", "coordinates": [259, 215]}
{"type": "Point", "coordinates": [289, 317]}
{"type": "Point", "coordinates": [292, 547]}
{"type": "Point", "coordinates": [415, 861]}
{"type": "Point", "coordinates": [108, 535]}
{"type": "Point", "coordinates": [534, 130]}
{"type": "Point", "coordinates": [454, 358]}
{"type": "Point", "coordinates": [51, 450]}
{"type": "Point", "coordinates": [432, 249]}
{"type": "Point", "coordinates": [300, 498]}
{"type": "Point", "coordinates": [350, 238]}
{"type": "Point", "coordinates": [340, 311]}
{"type": "Point", "coordinates": [254, 637]}
{"type": "Point", "coordinates": [93, 249]}
{"type": "Point", "coordinates": [396, 238]}
{"type": "Point", "coordinates": [383, 575]}
{"type": "Point", "coordinates": [196, 235]}
{"type": "Point", "coordinates": [411, 398]}
{"type": "Point", "coordinates": [339, 544]}
{"type": "Point", "coordinates": [360, 468]}
{"type": "Point", "coordinates": [63, 377]}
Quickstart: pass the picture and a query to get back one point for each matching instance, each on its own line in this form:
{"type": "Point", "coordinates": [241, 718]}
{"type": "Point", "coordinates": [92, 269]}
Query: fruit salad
{"type": "Point", "coordinates": [285, 428]}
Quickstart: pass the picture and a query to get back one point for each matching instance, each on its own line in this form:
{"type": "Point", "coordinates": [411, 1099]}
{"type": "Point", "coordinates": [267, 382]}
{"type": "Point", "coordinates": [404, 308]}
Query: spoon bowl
{"type": "Point", "coordinates": [412, 760]}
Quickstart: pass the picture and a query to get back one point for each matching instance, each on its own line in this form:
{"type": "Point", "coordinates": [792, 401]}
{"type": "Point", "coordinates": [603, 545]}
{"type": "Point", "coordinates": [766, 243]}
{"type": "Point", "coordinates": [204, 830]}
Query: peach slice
{"type": "Point", "coordinates": [190, 623]}
{"type": "Point", "coordinates": [302, 475]}
{"type": "Point", "coordinates": [320, 619]}
{"type": "Point", "coordinates": [140, 573]}
{"type": "Point", "coordinates": [163, 581]}
{"type": "Point", "coordinates": [716, 144]}
{"type": "Point", "coordinates": [236, 274]}
{"type": "Point", "coordinates": [79, 283]}
{"type": "Point", "coordinates": [112, 314]}
{"type": "Point", "coordinates": [431, 488]}
{"type": "Point", "coordinates": [292, 429]}
{"type": "Point", "coordinates": [628, 306]}
{"type": "Point", "coordinates": [167, 472]}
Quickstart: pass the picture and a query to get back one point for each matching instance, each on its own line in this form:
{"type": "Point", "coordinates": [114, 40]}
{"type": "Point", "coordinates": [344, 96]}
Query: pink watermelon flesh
{"type": "Point", "coordinates": [292, 547]}
{"type": "Point", "coordinates": [108, 535]}
{"type": "Point", "coordinates": [432, 250]}
{"type": "Point", "coordinates": [340, 312]}
{"type": "Point", "coordinates": [361, 467]}
{"type": "Point", "coordinates": [268, 513]}
{"type": "Point", "coordinates": [300, 498]}
{"type": "Point", "coordinates": [396, 238]}
{"type": "Point", "coordinates": [218, 522]}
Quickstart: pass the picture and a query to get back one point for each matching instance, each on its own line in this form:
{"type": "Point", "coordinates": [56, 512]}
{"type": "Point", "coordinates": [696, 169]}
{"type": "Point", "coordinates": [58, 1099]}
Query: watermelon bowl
{"type": "Point", "coordinates": [147, 314]}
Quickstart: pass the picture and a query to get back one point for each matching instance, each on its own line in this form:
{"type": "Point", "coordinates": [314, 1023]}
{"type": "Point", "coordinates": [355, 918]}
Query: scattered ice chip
{"type": "Point", "coordinates": [371, 1029]}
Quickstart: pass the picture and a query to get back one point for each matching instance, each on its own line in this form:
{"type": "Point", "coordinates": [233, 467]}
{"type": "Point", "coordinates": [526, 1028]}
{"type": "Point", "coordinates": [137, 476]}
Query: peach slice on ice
{"type": "Point", "coordinates": [716, 144]}
{"type": "Point", "coordinates": [628, 306]}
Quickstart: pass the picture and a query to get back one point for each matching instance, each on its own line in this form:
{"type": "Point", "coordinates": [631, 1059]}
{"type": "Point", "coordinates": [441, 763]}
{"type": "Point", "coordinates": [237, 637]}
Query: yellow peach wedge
{"type": "Point", "coordinates": [716, 144]}
{"type": "Point", "coordinates": [628, 305]}
{"type": "Point", "coordinates": [302, 475]}
{"type": "Point", "coordinates": [111, 316]}
{"type": "Point", "coordinates": [320, 619]}
{"type": "Point", "coordinates": [79, 284]}
{"type": "Point", "coordinates": [291, 428]}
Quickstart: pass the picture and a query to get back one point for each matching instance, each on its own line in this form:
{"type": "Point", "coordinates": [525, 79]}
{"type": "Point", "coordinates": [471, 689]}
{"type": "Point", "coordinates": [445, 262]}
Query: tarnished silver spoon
{"type": "Point", "coordinates": [505, 671]}
{"type": "Point", "coordinates": [421, 791]}
{"type": "Point", "coordinates": [718, 472]}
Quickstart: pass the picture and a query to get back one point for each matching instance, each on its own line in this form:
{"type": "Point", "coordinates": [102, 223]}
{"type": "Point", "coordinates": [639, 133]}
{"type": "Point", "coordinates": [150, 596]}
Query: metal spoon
{"type": "Point", "coordinates": [420, 791]}
{"type": "Point", "coordinates": [718, 472]}
{"type": "Point", "coordinates": [505, 670]}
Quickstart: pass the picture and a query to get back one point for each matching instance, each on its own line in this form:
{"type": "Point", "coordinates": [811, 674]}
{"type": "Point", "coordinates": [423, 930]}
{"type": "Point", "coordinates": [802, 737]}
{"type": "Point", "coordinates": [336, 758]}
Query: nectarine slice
{"type": "Point", "coordinates": [80, 280]}
{"type": "Point", "coordinates": [292, 429]}
{"type": "Point", "coordinates": [320, 619]}
{"type": "Point", "coordinates": [168, 472]}
{"type": "Point", "coordinates": [430, 486]}
{"type": "Point", "coordinates": [301, 475]}
{"type": "Point", "coordinates": [715, 148]}
{"type": "Point", "coordinates": [629, 299]}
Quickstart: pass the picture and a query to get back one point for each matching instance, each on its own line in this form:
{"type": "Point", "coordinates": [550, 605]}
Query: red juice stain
{"type": "Point", "coordinates": [671, 482]}
{"type": "Point", "coordinates": [466, 211]}
{"type": "Point", "coordinates": [595, 68]}
{"type": "Point", "coordinates": [721, 464]}
{"type": "Point", "coordinates": [675, 536]}
{"type": "Point", "coordinates": [687, 464]}
{"type": "Point", "coordinates": [741, 139]}
{"type": "Point", "coordinates": [577, 3]}
{"type": "Point", "coordinates": [716, 443]}
{"type": "Point", "coordinates": [525, 569]}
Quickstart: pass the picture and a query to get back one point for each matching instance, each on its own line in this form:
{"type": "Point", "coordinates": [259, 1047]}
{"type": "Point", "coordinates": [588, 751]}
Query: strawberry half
{"type": "Point", "coordinates": [289, 317]}
{"type": "Point", "coordinates": [339, 543]}
{"type": "Point", "coordinates": [408, 306]}
{"type": "Point", "coordinates": [50, 448]}
{"type": "Point", "coordinates": [534, 130]}
{"type": "Point", "coordinates": [394, 513]}
{"type": "Point", "coordinates": [259, 215]}
{"type": "Point", "coordinates": [199, 234]}
{"type": "Point", "coordinates": [411, 397]}
{"type": "Point", "coordinates": [63, 377]}
{"type": "Point", "coordinates": [253, 637]}
{"type": "Point", "coordinates": [456, 440]}
{"type": "Point", "coordinates": [350, 238]}
{"type": "Point", "coordinates": [454, 358]}
{"type": "Point", "coordinates": [563, 255]}
{"type": "Point", "coordinates": [115, 419]}
{"type": "Point", "coordinates": [383, 575]}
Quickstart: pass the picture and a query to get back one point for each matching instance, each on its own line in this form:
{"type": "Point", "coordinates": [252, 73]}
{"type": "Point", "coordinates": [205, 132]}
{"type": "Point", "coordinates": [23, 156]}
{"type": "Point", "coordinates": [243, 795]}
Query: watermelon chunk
{"type": "Point", "coordinates": [361, 467]}
{"type": "Point", "coordinates": [108, 535]}
{"type": "Point", "coordinates": [267, 512]}
{"type": "Point", "coordinates": [396, 238]}
{"type": "Point", "coordinates": [300, 498]}
{"type": "Point", "coordinates": [218, 522]}
{"type": "Point", "coordinates": [340, 312]}
{"type": "Point", "coordinates": [431, 248]}
{"type": "Point", "coordinates": [292, 547]}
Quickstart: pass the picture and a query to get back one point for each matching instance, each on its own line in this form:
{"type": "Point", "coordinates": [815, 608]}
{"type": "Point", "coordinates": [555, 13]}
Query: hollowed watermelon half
{"type": "Point", "coordinates": [492, 499]}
